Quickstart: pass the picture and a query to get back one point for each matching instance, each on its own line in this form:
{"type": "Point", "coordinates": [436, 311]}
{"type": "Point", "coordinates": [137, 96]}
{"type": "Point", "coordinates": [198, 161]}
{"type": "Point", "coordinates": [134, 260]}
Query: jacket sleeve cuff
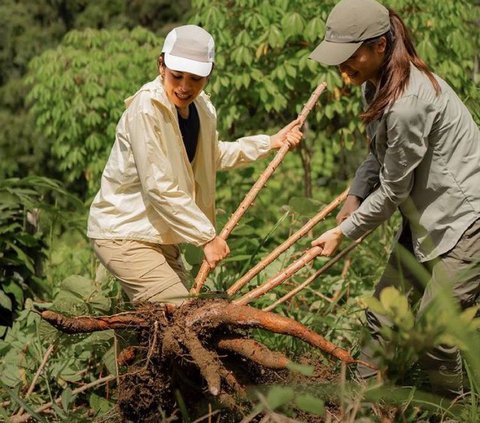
{"type": "Point", "coordinates": [350, 230]}
{"type": "Point", "coordinates": [358, 190]}
{"type": "Point", "coordinates": [210, 237]}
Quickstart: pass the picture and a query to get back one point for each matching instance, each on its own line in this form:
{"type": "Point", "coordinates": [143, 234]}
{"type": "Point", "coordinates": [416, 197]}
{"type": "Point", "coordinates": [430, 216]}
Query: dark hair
{"type": "Point", "coordinates": [161, 60]}
{"type": "Point", "coordinates": [395, 73]}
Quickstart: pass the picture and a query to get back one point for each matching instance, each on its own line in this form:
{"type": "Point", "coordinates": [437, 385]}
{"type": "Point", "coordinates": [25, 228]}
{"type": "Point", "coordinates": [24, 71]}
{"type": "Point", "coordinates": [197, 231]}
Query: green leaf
{"type": "Point", "coordinates": [373, 304]}
{"type": "Point", "coordinates": [469, 314]}
{"type": "Point", "coordinates": [99, 302]}
{"type": "Point", "coordinates": [5, 301]}
{"type": "Point", "coordinates": [78, 285]}
{"type": "Point", "coordinates": [304, 206]}
{"type": "Point", "coordinates": [109, 359]}
{"type": "Point", "coordinates": [279, 395]}
{"type": "Point", "coordinates": [396, 306]}
{"type": "Point", "coordinates": [193, 255]}
{"type": "Point", "coordinates": [310, 404]}
{"type": "Point", "coordinates": [301, 368]}
{"type": "Point", "coordinates": [47, 332]}
{"type": "Point", "coordinates": [70, 303]}
{"type": "Point", "coordinates": [238, 257]}
{"type": "Point", "coordinates": [26, 406]}
{"type": "Point", "coordinates": [10, 375]}
{"type": "Point", "coordinates": [67, 398]}
{"type": "Point", "coordinates": [25, 259]}
{"type": "Point", "coordinates": [15, 289]}
{"type": "Point", "coordinates": [99, 404]}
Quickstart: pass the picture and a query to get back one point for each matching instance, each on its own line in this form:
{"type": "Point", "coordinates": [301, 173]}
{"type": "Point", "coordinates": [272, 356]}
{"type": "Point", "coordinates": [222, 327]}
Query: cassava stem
{"type": "Point", "coordinates": [252, 194]}
{"type": "Point", "coordinates": [280, 277]}
{"type": "Point", "coordinates": [323, 269]}
{"type": "Point", "coordinates": [287, 244]}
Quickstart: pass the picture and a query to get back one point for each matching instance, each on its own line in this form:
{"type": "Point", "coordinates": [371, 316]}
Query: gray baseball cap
{"type": "Point", "coordinates": [189, 48]}
{"type": "Point", "coordinates": [349, 24]}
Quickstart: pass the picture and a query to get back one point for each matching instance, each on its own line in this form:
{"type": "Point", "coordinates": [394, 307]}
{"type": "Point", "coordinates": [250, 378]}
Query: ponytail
{"type": "Point", "coordinates": [396, 70]}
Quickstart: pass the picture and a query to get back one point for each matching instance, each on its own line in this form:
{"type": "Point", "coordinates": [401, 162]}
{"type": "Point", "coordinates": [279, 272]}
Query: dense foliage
{"type": "Point", "coordinates": [86, 79]}
{"type": "Point", "coordinates": [28, 28]}
{"type": "Point", "coordinates": [28, 209]}
{"type": "Point", "coordinates": [83, 59]}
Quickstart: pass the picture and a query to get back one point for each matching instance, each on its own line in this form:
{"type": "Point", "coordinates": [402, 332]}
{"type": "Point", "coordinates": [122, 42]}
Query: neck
{"type": "Point", "coordinates": [183, 111]}
{"type": "Point", "coordinates": [375, 80]}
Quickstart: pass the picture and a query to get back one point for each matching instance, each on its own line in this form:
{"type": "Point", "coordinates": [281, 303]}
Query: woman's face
{"type": "Point", "coordinates": [182, 87]}
{"type": "Point", "coordinates": [365, 64]}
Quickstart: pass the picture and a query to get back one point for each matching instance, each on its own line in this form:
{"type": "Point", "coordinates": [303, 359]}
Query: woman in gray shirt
{"type": "Point", "coordinates": [424, 160]}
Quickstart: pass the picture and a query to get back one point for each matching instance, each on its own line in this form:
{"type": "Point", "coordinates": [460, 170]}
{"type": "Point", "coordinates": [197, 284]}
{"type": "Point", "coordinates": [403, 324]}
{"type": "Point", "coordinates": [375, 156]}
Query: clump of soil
{"type": "Point", "coordinates": [164, 374]}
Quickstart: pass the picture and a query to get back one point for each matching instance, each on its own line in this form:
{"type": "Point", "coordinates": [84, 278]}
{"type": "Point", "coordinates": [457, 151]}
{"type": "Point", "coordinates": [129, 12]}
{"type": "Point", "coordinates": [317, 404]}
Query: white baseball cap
{"type": "Point", "coordinates": [189, 48]}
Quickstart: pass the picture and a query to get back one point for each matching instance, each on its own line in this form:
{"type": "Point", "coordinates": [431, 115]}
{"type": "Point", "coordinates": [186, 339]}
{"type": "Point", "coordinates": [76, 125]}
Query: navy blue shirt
{"type": "Point", "coordinates": [189, 128]}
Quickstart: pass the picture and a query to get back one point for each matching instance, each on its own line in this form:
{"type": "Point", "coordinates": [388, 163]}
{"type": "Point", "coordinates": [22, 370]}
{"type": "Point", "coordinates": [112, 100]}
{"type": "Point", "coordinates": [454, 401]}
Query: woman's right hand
{"type": "Point", "coordinates": [352, 203]}
{"type": "Point", "coordinates": [215, 251]}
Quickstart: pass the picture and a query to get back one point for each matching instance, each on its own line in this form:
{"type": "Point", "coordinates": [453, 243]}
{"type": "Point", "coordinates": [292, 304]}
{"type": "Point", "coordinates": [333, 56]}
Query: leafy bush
{"type": "Point", "coordinates": [68, 360]}
{"type": "Point", "coordinates": [23, 242]}
{"type": "Point", "coordinates": [77, 96]}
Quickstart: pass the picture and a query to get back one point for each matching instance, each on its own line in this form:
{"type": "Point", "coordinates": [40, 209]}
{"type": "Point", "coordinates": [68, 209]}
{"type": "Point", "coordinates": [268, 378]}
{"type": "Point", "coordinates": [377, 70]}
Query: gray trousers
{"type": "Point", "coordinates": [460, 269]}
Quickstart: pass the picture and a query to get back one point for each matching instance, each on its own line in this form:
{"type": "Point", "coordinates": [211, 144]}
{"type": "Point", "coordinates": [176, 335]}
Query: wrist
{"type": "Point", "coordinates": [209, 241]}
{"type": "Point", "coordinates": [338, 231]}
{"type": "Point", "coordinates": [273, 142]}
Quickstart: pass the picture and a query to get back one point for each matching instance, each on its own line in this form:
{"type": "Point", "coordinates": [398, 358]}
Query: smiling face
{"type": "Point", "coordinates": [365, 64]}
{"type": "Point", "coordinates": [182, 87]}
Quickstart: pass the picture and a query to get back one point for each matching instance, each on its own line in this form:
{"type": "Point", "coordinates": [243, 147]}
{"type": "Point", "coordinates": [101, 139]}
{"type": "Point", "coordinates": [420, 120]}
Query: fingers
{"type": "Point", "coordinates": [327, 250]}
{"type": "Point", "coordinates": [294, 137]}
{"type": "Point", "coordinates": [319, 243]}
{"type": "Point", "coordinates": [292, 124]}
{"type": "Point", "coordinates": [289, 134]}
{"type": "Point", "coordinates": [215, 251]}
{"type": "Point", "coordinates": [328, 242]}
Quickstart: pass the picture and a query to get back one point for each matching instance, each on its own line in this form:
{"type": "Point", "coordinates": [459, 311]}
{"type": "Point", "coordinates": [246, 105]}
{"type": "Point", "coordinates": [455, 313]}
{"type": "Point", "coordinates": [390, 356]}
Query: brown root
{"type": "Point", "coordinates": [246, 316]}
{"type": "Point", "coordinates": [253, 350]}
{"type": "Point", "coordinates": [85, 324]}
{"type": "Point", "coordinates": [207, 363]}
{"type": "Point", "coordinates": [126, 356]}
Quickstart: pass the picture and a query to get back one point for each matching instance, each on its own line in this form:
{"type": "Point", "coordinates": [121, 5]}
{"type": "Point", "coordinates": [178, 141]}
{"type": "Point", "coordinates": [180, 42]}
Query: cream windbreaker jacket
{"type": "Point", "coordinates": [149, 190]}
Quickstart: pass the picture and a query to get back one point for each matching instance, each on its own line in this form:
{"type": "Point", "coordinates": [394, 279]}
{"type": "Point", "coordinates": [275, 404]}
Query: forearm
{"type": "Point", "coordinates": [379, 206]}
{"type": "Point", "coordinates": [244, 150]}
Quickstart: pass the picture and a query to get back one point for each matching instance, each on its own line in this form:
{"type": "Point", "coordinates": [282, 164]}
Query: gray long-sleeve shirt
{"type": "Point", "coordinates": [425, 150]}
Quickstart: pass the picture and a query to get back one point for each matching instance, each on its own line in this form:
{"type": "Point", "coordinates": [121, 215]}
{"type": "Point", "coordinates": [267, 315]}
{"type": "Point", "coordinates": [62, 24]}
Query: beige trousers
{"type": "Point", "coordinates": [146, 271]}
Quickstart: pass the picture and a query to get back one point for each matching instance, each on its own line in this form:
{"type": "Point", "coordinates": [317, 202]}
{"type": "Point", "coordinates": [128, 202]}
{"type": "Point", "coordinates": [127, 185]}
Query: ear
{"type": "Point", "coordinates": [381, 45]}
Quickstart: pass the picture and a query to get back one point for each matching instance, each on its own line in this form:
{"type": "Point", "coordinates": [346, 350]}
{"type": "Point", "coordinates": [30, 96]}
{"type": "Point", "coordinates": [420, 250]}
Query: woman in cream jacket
{"type": "Point", "coordinates": [158, 186]}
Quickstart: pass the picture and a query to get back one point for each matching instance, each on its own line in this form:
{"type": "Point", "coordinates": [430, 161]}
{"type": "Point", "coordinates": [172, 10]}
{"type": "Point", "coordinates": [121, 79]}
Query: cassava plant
{"type": "Point", "coordinates": [28, 210]}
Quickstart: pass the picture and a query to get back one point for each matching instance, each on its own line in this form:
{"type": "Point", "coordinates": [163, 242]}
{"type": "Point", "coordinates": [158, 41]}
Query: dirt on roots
{"type": "Point", "coordinates": [167, 372]}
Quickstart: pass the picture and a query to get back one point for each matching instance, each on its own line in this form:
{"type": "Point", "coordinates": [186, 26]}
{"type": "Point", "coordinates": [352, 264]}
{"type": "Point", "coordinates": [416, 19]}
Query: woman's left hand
{"type": "Point", "coordinates": [290, 133]}
{"type": "Point", "coordinates": [329, 241]}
